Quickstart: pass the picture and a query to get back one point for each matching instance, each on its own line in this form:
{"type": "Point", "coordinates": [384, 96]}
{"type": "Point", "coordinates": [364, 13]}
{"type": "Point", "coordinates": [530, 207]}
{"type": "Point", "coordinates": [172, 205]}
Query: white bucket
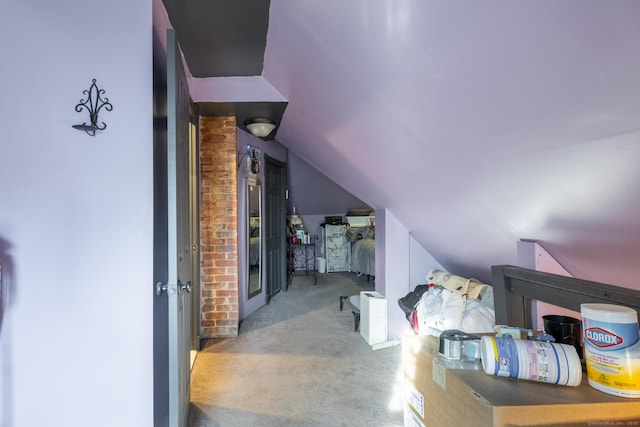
{"type": "Point", "coordinates": [540, 361]}
{"type": "Point", "coordinates": [322, 264]}
{"type": "Point", "coordinates": [611, 348]}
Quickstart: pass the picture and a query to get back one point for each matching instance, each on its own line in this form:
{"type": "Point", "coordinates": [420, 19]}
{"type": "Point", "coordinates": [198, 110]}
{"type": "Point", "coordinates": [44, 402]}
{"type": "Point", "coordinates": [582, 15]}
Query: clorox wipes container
{"type": "Point", "coordinates": [611, 348]}
{"type": "Point", "coordinates": [540, 361]}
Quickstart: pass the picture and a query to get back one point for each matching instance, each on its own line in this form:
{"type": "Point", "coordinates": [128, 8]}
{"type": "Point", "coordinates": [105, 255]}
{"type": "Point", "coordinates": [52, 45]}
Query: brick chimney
{"type": "Point", "coordinates": [219, 315]}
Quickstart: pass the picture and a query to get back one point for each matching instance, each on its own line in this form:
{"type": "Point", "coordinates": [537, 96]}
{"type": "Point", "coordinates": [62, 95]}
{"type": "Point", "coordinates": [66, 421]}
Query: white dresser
{"type": "Point", "coordinates": [338, 248]}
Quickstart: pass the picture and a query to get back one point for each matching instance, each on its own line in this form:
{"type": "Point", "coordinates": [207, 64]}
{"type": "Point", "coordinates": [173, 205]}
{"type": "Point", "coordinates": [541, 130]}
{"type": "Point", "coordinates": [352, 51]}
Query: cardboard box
{"type": "Point", "coordinates": [441, 397]}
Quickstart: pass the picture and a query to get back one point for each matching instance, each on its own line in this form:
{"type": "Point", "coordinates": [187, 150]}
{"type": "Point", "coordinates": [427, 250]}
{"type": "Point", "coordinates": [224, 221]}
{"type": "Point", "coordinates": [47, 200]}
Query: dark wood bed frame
{"type": "Point", "coordinates": [515, 288]}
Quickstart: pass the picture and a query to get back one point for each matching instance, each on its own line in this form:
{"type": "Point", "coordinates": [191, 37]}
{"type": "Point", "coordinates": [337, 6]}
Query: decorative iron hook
{"type": "Point", "coordinates": [253, 154]}
{"type": "Point", "coordinates": [94, 103]}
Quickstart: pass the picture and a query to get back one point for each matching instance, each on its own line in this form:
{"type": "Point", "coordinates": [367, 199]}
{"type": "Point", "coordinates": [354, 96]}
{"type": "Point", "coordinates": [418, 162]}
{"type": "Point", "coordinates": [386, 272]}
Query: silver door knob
{"type": "Point", "coordinates": [185, 286]}
{"type": "Point", "coordinates": [160, 288]}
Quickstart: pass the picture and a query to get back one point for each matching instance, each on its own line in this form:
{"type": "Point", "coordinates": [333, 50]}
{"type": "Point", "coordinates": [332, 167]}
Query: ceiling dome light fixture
{"type": "Point", "coordinates": [260, 128]}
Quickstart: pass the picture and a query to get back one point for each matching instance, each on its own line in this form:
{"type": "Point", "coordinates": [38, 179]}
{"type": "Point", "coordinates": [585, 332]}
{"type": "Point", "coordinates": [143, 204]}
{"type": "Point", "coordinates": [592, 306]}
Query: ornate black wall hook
{"type": "Point", "coordinates": [253, 154]}
{"type": "Point", "coordinates": [94, 103]}
{"type": "Point", "coordinates": [255, 161]}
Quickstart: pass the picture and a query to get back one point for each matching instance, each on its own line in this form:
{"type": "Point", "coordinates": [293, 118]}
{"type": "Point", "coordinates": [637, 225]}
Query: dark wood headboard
{"type": "Point", "coordinates": [514, 289]}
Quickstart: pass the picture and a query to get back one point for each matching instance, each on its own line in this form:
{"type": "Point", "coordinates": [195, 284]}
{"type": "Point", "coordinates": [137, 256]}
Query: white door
{"type": "Point", "coordinates": [179, 242]}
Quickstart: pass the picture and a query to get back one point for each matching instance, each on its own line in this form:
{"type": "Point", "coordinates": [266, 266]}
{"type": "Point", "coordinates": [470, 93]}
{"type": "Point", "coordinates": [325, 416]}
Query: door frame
{"type": "Point", "coordinates": [160, 256]}
{"type": "Point", "coordinates": [194, 215]}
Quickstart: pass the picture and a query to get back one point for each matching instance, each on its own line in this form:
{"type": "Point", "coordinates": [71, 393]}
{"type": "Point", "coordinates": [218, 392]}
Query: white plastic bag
{"type": "Point", "coordinates": [440, 309]}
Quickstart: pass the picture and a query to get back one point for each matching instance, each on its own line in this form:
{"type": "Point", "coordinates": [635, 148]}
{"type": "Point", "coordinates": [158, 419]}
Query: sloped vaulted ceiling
{"type": "Point", "coordinates": [476, 124]}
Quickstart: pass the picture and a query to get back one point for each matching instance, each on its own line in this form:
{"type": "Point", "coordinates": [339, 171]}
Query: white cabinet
{"type": "Point", "coordinates": [373, 317]}
{"type": "Point", "coordinates": [338, 248]}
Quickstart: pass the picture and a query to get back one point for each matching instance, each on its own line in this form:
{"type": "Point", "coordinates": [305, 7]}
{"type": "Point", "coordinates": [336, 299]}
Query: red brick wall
{"type": "Point", "coordinates": [218, 227]}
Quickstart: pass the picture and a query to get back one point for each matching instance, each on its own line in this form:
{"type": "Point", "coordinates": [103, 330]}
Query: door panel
{"type": "Point", "coordinates": [275, 230]}
{"type": "Point", "coordinates": [178, 236]}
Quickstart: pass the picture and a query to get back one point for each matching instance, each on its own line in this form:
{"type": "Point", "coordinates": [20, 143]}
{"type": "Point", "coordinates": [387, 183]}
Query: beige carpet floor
{"type": "Point", "coordinates": [298, 362]}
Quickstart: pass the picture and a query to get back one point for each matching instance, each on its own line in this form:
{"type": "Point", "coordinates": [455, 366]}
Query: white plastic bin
{"type": "Point", "coordinates": [322, 265]}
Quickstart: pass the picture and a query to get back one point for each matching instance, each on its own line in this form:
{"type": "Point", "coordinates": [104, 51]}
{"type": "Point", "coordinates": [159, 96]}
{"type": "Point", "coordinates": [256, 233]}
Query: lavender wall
{"type": "Point", "coordinates": [313, 193]}
{"type": "Point", "coordinates": [392, 271]}
{"type": "Point", "coordinates": [401, 264]}
{"type": "Point", "coordinates": [77, 213]}
{"type": "Point", "coordinates": [543, 261]}
{"type": "Point", "coordinates": [420, 263]}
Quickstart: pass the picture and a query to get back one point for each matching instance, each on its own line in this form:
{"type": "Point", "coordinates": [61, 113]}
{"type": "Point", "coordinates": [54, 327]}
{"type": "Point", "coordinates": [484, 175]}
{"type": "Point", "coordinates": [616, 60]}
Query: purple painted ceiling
{"type": "Point", "coordinates": [476, 124]}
